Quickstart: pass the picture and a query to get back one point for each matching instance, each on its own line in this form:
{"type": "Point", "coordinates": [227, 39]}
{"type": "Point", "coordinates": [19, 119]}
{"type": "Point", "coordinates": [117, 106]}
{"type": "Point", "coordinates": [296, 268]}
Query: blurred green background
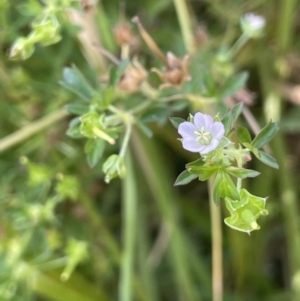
{"type": "Point", "coordinates": [62, 227]}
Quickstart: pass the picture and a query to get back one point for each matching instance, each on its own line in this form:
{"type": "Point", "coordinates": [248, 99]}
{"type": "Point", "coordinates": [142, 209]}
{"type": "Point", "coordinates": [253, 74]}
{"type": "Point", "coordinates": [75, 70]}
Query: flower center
{"type": "Point", "coordinates": [203, 137]}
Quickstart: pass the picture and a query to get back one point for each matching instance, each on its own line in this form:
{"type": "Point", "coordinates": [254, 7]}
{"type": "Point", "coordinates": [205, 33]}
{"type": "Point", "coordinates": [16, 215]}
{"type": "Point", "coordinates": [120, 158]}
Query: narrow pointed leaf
{"type": "Point", "coordinates": [242, 172]}
{"type": "Point", "coordinates": [233, 84]}
{"type": "Point", "coordinates": [184, 178]}
{"type": "Point", "coordinates": [265, 135]}
{"type": "Point", "coordinates": [267, 159]}
{"type": "Point", "coordinates": [204, 172]}
{"type": "Point", "coordinates": [231, 116]}
{"type": "Point", "coordinates": [176, 121]}
{"type": "Point", "coordinates": [243, 135]}
{"type": "Point", "coordinates": [74, 81]}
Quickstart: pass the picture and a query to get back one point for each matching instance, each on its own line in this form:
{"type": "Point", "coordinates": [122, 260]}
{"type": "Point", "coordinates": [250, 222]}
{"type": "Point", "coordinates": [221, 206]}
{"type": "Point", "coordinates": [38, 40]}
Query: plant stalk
{"type": "Point", "coordinates": [217, 260]}
{"type": "Point", "coordinates": [129, 226]}
{"type": "Point", "coordinates": [31, 129]}
{"type": "Point", "coordinates": [185, 24]}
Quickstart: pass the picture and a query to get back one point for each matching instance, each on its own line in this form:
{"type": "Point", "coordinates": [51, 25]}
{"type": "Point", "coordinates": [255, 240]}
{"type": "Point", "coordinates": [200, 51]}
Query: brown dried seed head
{"type": "Point", "coordinates": [122, 33]}
{"type": "Point", "coordinates": [133, 77]}
{"type": "Point", "coordinates": [176, 74]}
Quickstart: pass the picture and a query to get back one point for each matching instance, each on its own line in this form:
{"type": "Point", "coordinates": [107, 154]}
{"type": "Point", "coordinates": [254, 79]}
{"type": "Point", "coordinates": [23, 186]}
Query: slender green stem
{"type": "Point", "coordinates": [185, 24]}
{"type": "Point", "coordinates": [285, 26]}
{"type": "Point", "coordinates": [238, 45]}
{"type": "Point", "coordinates": [129, 226]}
{"type": "Point", "coordinates": [125, 140]}
{"type": "Point", "coordinates": [31, 129]}
{"type": "Point", "coordinates": [217, 265]}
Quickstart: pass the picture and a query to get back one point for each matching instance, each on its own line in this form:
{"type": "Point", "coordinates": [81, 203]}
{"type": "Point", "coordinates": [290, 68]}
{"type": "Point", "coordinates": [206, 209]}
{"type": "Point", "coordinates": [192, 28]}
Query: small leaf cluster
{"type": "Point", "coordinates": [225, 164]}
{"type": "Point", "coordinates": [45, 27]}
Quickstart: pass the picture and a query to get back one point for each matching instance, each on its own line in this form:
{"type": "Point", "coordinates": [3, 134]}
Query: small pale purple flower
{"type": "Point", "coordinates": [255, 21]}
{"type": "Point", "coordinates": [202, 135]}
{"type": "Point", "coordinates": [253, 25]}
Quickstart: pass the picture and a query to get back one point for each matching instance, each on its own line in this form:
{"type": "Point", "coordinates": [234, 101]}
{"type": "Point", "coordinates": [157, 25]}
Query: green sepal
{"type": "Point", "coordinates": [176, 121]}
{"type": "Point", "coordinates": [245, 212]}
{"type": "Point", "coordinates": [242, 173]}
{"type": "Point", "coordinates": [243, 135]}
{"type": "Point", "coordinates": [74, 81]}
{"type": "Point", "coordinates": [266, 159]}
{"type": "Point", "coordinates": [94, 149]}
{"type": "Point", "coordinates": [184, 178]}
{"type": "Point", "coordinates": [231, 116]}
{"type": "Point", "coordinates": [233, 84]}
{"type": "Point", "coordinates": [224, 187]}
{"type": "Point", "coordinates": [265, 135]}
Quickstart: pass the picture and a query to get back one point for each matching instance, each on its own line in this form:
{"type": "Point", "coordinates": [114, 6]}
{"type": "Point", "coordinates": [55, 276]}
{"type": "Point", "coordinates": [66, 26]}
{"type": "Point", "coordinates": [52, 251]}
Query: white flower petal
{"type": "Point", "coordinates": [187, 130]}
{"type": "Point", "coordinates": [203, 120]}
{"type": "Point", "coordinates": [192, 145]}
{"type": "Point", "coordinates": [218, 130]}
{"type": "Point", "coordinates": [214, 143]}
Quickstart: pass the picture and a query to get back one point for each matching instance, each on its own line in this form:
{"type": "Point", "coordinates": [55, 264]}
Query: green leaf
{"type": "Point", "coordinates": [204, 172]}
{"type": "Point", "coordinates": [245, 212]}
{"type": "Point", "coordinates": [265, 135]}
{"type": "Point", "coordinates": [224, 187]}
{"type": "Point", "coordinates": [157, 114]}
{"type": "Point", "coordinates": [233, 84]}
{"type": "Point", "coordinates": [243, 135]}
{"type": "Point", "coordinates": [267, 159]}
{"type": "Point", "coordinates": [68, 187]}
{"type": "Point", "coordinates": [184, 178]}
{"type": "Point", "coordinates": [74, 81]}
{"type": "Point", "coordinates": [242, 172]}
{"type": "Point", "coordinates": [176, 121]}
{"type": "Point", "coordinates": [94, 149]}
{"type": "Point", "coordinates": [74, 130]}
{"type": "Point", "coordinates": [231, 116]}
{"type": "Point", "coordinates": [196, 163]}
{"type": "Point", "coordinates": [145, 129]}
{"type": "Point", "coordinates": [116, 72]}
{"type": "Point", "coordinates": [76, 108]}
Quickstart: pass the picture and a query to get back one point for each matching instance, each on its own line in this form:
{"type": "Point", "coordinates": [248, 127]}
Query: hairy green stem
{"type": "Point", "coordinates": [129, 226]}
{"type": "Point", "coordinates": [31, 129]}
{"type": "Point", "coordinates": [185, 24]}
{"type": "Point", "coordinates": [217, 265]}
{"type": "Point", "coordinates": [238, 45]}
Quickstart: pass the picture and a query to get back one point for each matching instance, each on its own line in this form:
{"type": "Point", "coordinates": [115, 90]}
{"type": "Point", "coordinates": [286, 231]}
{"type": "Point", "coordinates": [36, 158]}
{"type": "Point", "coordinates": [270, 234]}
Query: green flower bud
{"type": "Point", "coordinates": [22, 49]}
{"type": "Point", "coordinates": [114, 167]}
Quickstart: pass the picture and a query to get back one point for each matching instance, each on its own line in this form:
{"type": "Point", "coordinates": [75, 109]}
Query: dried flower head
{"type": "Point", "coordinates": [175, 73]}
{"type": "Point", "coordinates": [202, 135]}
{"type": "Point", "coordinates": [133, 77]}
{"type": "Point", "coordinates": [122, 33]}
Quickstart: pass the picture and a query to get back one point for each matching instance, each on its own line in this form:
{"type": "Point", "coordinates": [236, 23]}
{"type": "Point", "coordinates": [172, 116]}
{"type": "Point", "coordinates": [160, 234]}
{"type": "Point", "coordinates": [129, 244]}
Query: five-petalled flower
{"type": "Point", "coordinates": [202, 135]}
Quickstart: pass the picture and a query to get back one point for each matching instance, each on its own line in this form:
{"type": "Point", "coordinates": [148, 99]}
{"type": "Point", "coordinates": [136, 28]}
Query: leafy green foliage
{"type": "Point", "coordinates": [231, 116]}
{"type": "Point", "coordinates": [245, 211]}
